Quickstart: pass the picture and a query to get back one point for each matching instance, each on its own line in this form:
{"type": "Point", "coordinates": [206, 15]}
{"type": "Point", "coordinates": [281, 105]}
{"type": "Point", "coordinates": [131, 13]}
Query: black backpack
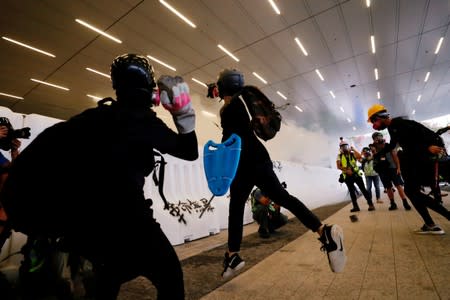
{"type": "Point", "coordinates": [265, 119]}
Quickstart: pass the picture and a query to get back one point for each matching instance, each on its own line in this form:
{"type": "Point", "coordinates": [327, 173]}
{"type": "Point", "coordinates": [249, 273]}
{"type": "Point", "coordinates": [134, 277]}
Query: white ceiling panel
{"type": "Point", "coordinates": [384, 18]}
{"type": "Point", "coordinates": [412, 14]}
{"type": "Point", "coordinates": [407, 59]}
{"type": "Point", "coordinates": [335, 34]}
{"type": "Point", "coordinates": [357, 24]}
{"type": "Point", "coordinates": [333, 30]}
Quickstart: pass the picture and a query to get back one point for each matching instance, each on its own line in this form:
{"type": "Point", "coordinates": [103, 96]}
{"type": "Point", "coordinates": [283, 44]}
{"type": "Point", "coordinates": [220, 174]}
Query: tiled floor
{"type": "Point", "coordinates": [386, 260]}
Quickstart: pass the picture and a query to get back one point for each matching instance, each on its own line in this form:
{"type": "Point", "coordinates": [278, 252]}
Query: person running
{"type": "Point", "coordinates": [419, 145]}
{"type": "Point", "coordinates": [256, 168]}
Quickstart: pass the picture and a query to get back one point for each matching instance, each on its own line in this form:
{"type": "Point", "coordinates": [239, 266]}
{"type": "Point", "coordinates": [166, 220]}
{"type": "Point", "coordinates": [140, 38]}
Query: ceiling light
{"type": "Point", "coordinates": [161, 63]}
{"type": "Point", "coordinates": [208, 114]}
{"type": "Point", "coordinates": [260, 78]}
{"type": "Point", "coordinates": [332, 95]}
{"type": "Point", "coordinates": [320, 75]}
{"type": "Point", "coordinates": [438, 47]}
{"type": "Point", "coordinates": [94, 97]}
{"type": "Point", "coordinates": [426, 77]}
{"type": "Point", "coordinates": [228, 52]}
{"type": "Point", "coordinates": [376, 73]}
{"type": "Point", "coordinates": [281, 95]}
{"type": "Point", "coordinates": [298, 108]}
{"type": "Point", "coordinates": [27, 46]}
{"type": "Point", "coordinates": [354, 128]}
{"type": "Point", "coordinates": [297, 40]}
{"type": "Point", "coordinates": [414, 112]}
{"type": "Point", "coordinates": [177, 13]}
{"type": "Point", "coordinates": [50, 84]}
{"type": "Point", "coordinates": [199, 82]}
{"type": "Point", "coordinates": [274, 6]}
{"type": "Point", "coordinates": [349, 120]}
{"type": "Point", "coordinates": [419, 97]}
{"type": "Point", "coordinates": [11, 96]}
{"type": "Point", "coordinates": [342, 109]}
{"type": "Point", "coordinates": [372, 42]}
{"type": "Point", "coordinates": [378, 95]}
{"type": "Point", "coordinates": [98, 72]}
{"type": "Point", "coordinates": [98, 31]}
{"type": "Point", "coordinates": [368, 3]}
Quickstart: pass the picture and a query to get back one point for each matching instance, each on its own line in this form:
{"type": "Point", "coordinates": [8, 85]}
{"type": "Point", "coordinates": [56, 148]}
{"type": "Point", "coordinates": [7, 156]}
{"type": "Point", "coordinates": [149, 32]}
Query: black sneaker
{"type": "Point", "coordinates": [232, 265]}
{"type": "Point", "coordinates": [426, 229]}
{"type": "Point", "coordinates": [393, 206]}
{"type": "Point", "coordinates": [354, 209]}
{"type": "Point", "coordinates": [332, 239]}
{"type": "Point", "coordinates": [371, 207]}
{"type": "Point", "coordinates": [264, 233]}
{"type": "Point", "coordinates": [406, 205]}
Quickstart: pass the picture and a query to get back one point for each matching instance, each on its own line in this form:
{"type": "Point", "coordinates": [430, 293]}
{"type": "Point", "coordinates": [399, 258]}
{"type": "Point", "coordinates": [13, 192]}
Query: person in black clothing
{"type": "Point", "coordinates": [255, 168]}
{"type": "Point", "coordinates": [82, 180]}
{"type": "Point", "coordinates": [419, 145]}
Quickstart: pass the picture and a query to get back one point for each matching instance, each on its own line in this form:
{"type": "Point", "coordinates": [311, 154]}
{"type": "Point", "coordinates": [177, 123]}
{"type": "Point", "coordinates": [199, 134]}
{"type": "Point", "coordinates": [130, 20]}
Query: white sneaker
{"type": "Point", "coordinates": [332, 239]}
{"type": "Point", "coordinates": [426, 229]}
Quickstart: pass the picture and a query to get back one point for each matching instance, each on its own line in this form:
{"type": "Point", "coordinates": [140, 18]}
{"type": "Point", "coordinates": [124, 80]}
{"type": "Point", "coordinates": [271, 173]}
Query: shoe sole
{"type": "Point", "coordinates": [430, 232]}
{"type": "Point", "coordinates": [337, 258]}
{"type": "Point", "coordinates": [231, 272]}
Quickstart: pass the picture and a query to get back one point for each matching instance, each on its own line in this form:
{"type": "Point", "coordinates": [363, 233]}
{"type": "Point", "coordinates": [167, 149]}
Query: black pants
{"type": "Point", "coordinates": [350, 181]}
{"type": "Point", "coordinates": [416, 176]}
{"type": "Point", "coordinates": [263, 176]}
{"type": "Point", "coordinates": [144, 251]}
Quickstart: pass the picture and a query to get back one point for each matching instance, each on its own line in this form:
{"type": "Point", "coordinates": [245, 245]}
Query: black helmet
{"type": "Point", "coordinates": [365, 149]}
{"type": "Point", "coordinates": [376, 135]}
{"type": "Point", "coordinates": [229, 82]}
{"type": "Point", "coordinates": [131, 71]}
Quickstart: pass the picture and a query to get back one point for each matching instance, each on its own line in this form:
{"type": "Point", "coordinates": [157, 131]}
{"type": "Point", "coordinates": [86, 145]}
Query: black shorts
{"type": "Point", "coordinates": [390, 177]}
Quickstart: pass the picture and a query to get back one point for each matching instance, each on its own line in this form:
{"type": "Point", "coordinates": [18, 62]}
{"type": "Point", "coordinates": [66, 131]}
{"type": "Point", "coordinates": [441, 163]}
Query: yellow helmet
{"type": "Point", "coordinates": [374, 109]}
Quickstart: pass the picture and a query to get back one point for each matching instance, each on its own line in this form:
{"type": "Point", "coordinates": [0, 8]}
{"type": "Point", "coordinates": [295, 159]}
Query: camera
{"type": "Point", "coordinates": [23, 133]}
{"type": "Point", "coordinates": [213, 91]}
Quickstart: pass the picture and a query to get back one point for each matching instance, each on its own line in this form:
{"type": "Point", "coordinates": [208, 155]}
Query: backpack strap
{"type": "Point", "coordinates": [159, 181]}
{"type": "Point", "coordinates": [246, 107]}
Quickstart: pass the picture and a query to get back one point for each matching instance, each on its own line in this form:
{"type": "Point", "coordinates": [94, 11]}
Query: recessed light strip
{"type": "Point", "coordinates": [297, 40]}
{"type": "Point", "coordinates": [161, 62]}
{"type": "Point", "coordinates": [275, 7]}
{"type": "Point", "coordinates": [11, 96]}
{"type": "Point", "coordinates": [94, 97]}
{"type": "Point", "coordinates": [179, 15]}
{"type": "Point", "coordinates": [376, 73]}
{"type": "Point", "coordinates": [332, 95]}
{"type": "Point", "coordinates": [378, 95]}
{"type": "Point", "coordinates": [368, 3]}
{"type": "Point", "coordinates": [199, 82]}
{"type": "Point", "coordinates": [438, 47]}
{"type": "Point", "coordinates": [419, 97]}
{"type": "Point", "coordinates": [98, 72]}
{"type": "Point", "coordinates": [281, 95]}
{"type": "Point", "coordinates": [342, 109]}
{"type": "Point", "coordinates": [98, 31]}
{"type": "Point", "coordinates": [319, 74]}
{"type": "Point", "coordinates": [426, 77]}
{"type": "Point", "coordinates": [372, 42]}
{"type": "Point", "coordinates": [228, 52]}
{"type": "Point", "coordinates": [349, 120]}
{"type": "Point", "coordinates": [298, 108]}
{"type": "Point", "coordinates": [414, 112]}
{"type": "Point", "coordinates": [27, 46]}
{"type": "Point", "coordinates": [50, 84]}
{"type": "Point", "coordinates": [259, 77]}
